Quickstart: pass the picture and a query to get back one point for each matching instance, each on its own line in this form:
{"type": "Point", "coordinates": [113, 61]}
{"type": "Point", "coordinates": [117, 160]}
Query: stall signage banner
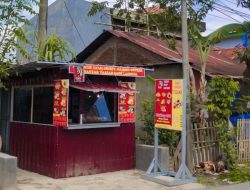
{"type": "Point", "coordinates": [60, 103]}
{"type": "Point", "coordinates": [126, 104]}
{"type": "Point", "coordinates": [113, 70]}
{"type": "Point", "coordinates": [168, 104]}
{"type": "Point", "coordinates": [79, 75]}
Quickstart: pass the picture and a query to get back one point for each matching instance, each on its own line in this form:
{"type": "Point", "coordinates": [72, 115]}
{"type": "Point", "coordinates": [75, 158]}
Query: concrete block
{"type": "Point", "coordinates": [145, 154]}
{"type": "Point", "coordinates": [8, 169]}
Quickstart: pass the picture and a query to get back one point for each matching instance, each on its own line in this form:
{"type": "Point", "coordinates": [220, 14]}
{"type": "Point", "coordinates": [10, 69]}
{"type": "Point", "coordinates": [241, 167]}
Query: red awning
{"type": "Point", "coordinates": [102, 88]}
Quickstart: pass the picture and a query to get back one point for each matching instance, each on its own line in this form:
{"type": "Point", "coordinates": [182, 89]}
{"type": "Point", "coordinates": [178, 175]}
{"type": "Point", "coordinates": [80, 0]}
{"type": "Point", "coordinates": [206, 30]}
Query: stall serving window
{"type": "Point", "coordinates": [33, 104]}
{"type": "Point", "coordinates": [87, 107]}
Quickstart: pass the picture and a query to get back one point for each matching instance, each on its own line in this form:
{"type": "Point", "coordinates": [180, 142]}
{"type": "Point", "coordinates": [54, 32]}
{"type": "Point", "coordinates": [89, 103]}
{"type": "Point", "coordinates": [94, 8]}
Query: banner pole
{"type": "Point", "coordinates": [184, 130]}
{"type": "Point", "coordinates": [156, 142]}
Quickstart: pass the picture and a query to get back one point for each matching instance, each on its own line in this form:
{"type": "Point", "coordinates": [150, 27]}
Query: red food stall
{"type": "Point", "coordinates": [70, 119]}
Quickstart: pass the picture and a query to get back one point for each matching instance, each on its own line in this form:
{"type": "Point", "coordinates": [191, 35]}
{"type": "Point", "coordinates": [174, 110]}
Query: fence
{"type": "Point", "coordinates": [243, 140]}
{"type": "Point", "coordinates": [205, 145]}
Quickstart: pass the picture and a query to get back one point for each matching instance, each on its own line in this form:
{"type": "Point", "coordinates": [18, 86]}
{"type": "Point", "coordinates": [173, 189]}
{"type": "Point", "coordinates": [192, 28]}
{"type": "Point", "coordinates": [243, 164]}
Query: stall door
{"type": "Point", "coordinates": [5, 118]}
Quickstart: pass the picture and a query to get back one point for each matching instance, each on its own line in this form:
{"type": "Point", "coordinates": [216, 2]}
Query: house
{"type": "Point", "coordinates": [124, 48]}
{"type": "Point", "coordinates": [234, 40]}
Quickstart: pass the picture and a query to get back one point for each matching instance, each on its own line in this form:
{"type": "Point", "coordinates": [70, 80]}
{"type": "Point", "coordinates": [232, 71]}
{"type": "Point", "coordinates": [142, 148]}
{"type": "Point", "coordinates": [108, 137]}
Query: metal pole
{"type": "Point", "coordinates": [185, 67]}
{"type": "Point", "coordinates": [155, 150]}
{"type": "Point", "coordinates": [184, 130]}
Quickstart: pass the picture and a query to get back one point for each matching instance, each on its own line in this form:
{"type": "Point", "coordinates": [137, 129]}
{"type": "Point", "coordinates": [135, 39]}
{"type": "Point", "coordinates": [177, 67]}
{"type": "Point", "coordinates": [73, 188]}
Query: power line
{"type": "Point", "coordinates": [209, 14]}
{"type": "Point", "coordinates": [231, 2]}
{"type": "Point", "coordinates": [226, 15]}
{"type": "Point", "coordinates": [229, 9]}
{"type": "Point", "coordinates": [71, 18]}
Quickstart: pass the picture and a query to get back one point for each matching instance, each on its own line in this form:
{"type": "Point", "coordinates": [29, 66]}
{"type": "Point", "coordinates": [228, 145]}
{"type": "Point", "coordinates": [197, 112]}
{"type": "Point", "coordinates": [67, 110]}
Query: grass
{"type": "Point", "coordinates": [208, 180]}
{"type": "Point", "coordinates": [240, 173]}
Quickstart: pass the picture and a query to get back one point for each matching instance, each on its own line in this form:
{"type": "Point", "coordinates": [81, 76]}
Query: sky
{"type": "Point", "coordinates": [225, 12]}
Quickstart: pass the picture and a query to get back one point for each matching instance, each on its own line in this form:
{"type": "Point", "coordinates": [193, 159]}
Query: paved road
{"type": "Point", "coordinates": [243, 186]}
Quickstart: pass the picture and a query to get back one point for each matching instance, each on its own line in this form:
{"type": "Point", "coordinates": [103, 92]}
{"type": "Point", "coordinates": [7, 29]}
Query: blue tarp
{"type": "Point", "coordinates": [233, 119]}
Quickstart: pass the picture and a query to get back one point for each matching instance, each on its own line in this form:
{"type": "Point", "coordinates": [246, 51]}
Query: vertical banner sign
{"type": "Point", "coordinates": [168, 104]}
{"type": "Point", "coordinates": [126, 104]}
{"type": "Point", "coordinates": [60, 103]}
{"type": "Point", "coordinates": [78, 74]}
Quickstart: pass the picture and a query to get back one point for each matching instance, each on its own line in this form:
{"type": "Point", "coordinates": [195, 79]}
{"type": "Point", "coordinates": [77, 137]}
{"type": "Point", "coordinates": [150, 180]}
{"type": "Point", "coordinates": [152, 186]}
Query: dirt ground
{"type": "Point", "coordinates": [121, 180]}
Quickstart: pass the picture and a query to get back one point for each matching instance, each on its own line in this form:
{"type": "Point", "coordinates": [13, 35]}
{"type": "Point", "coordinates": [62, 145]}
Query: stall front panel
{"type": "Point", "coordinates": [61, 152]}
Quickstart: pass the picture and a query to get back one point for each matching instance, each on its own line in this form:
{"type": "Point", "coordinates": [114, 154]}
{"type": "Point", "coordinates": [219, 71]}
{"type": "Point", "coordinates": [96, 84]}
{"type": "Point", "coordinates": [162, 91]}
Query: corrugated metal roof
{"type": "Point", "coordinates": [216, 63]}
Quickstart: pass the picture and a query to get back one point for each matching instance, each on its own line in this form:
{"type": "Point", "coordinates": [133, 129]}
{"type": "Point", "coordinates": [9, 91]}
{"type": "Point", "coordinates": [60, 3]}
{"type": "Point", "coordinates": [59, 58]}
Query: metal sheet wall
{"type": "Point", "coordinates": [58, 153]}
{"type": "Point", "coordinates": [91, 151]}
{"type": "Point", "coordinates": [34, 146]}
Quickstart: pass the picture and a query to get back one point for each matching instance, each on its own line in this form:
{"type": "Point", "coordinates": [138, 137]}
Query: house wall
{"type": "Point", "coordinates": [230, 43]}
{"type": "Point", "coordinates": [116, 51]}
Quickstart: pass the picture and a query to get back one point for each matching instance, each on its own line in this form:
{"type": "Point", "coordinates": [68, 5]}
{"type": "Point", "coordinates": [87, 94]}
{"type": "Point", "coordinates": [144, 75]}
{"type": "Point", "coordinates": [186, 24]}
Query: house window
{"type": "Point", "coordinates": [43, 105]}
{"type": "Point", "coordinates": [22, 104]}
{"type": "Point", "coordinates": [91, 107]}
{"type": "Point", "coordinates": [35, 103]}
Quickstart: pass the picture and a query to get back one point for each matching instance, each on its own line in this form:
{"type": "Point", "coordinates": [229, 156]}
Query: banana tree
{"type": "Point", "coordinates": [204, 45]}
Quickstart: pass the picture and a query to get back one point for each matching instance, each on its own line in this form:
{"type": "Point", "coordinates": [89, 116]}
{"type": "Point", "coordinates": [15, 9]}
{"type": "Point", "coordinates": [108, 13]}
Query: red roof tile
{"type": "Point", "coordinates": [154, 10]}
{"type": "Point", "coordinates": [216, 64]}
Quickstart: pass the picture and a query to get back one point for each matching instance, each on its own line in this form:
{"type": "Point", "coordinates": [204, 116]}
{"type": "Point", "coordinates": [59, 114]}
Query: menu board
{"type": "Point", "coordinates": [168, 104]}
{"type": "Point", "coordinates": [60, 103]}
{"type": "Point", "coordinates": [126, 104]}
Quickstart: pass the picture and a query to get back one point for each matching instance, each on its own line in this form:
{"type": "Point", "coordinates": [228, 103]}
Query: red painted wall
{"type": "Point", "coordinates": [59, 153]}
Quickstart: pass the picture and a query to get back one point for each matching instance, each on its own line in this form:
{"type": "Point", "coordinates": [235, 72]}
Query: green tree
{"type": "Point", "coordinates": [221, 94]}
{"type": "Point", "coordinates": [203, 45]}
{"type": "Point", "coordinates": [53, 48]}
{"type": "Point", "coordinates": [166, 21]}
{"type": "Point", "coordinates": [11, 18]}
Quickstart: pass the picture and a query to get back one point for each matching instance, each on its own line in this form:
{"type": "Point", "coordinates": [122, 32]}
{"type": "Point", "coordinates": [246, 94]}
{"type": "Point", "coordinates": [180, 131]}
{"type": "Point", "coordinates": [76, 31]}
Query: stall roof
{"type": "Point", "coordinates": [35, 66]}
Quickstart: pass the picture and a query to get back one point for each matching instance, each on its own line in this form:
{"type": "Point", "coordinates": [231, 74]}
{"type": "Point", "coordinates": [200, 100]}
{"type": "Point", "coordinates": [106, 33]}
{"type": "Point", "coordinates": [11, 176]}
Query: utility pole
{"type": "Point", "coordinates": [42, 20]}
{"type": "Point", "coordinates": [185, 68]}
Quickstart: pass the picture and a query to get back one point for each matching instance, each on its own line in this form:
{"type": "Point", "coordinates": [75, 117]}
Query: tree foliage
{"type": "Point", "coordinates": [221, 94]}
{"type": "Point", "coordinates": [11, 18]}
{"type": "Point", "coordinates": [203, 45]}
{"type": "Point", "coordinates": [166, 21]}
{"type": "Point", "coordinates": [54, 48]}
{"type": "Point", "coordinates": [166, 137]}
{"type": "Point", "coordinates": [244, 3]}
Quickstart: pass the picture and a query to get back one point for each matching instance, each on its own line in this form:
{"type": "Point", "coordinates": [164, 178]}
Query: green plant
{"type": "Point", "coordinates": [11, 18]}
{"type": "Point", "coordinates": [166, 137]}
{"type": "Point", "coordinates": [221, 94]}
{"type": "Point", "coordinates": [238, 174]}
{"type": "Point", "coordinates": [54, 48]}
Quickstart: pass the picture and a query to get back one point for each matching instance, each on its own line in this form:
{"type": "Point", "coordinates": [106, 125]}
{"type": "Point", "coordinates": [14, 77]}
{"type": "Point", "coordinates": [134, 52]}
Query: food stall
{"type": "Point", "coordinates": [71, 119]}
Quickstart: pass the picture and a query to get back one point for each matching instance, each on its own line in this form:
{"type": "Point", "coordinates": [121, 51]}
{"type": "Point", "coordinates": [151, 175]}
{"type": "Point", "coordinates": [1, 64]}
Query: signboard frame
{"type": "Point", "coordinates": [132, 86]}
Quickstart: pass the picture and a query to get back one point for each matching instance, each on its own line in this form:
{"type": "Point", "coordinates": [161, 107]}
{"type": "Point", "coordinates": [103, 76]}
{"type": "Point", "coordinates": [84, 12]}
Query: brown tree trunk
{"type": "Point", "coordinates": [192, 81]}
{"type": "Point", "coordinates": [202, 98]}
{"type": "Point", "coordinates": [42, 23]}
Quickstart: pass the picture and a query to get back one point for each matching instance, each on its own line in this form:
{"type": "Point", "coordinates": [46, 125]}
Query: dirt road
{"type": "Point", "coordinates": [121, 180]}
